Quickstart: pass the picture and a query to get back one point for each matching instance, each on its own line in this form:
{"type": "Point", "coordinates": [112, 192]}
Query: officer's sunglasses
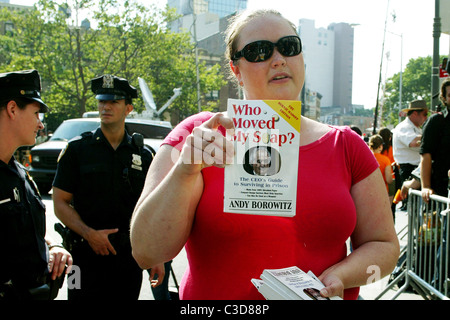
{"type": "Point", "coordinates": [262, 50]}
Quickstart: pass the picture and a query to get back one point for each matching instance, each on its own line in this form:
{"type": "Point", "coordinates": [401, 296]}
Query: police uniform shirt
{"type": "Point", "coordinates": [105, 183]}
{"type": "Point", "coordinates": [22, 227]}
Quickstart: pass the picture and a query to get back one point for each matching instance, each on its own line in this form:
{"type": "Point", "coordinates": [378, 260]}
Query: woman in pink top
{"type": "Point", "coordinates": [341, 193]}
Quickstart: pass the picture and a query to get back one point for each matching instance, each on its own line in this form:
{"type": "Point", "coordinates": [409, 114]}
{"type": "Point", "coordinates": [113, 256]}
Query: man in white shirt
{"type": "Point", "coordinates": [407, 137]}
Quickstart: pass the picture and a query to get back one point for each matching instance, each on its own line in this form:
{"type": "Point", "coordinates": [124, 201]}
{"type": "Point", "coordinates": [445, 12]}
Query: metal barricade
{"type": "Point", "coordinates": [427, 256]}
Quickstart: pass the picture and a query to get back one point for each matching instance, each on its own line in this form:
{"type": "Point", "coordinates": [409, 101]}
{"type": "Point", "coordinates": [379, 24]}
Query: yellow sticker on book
{"type": "Point", "coordinates": [289, 110]}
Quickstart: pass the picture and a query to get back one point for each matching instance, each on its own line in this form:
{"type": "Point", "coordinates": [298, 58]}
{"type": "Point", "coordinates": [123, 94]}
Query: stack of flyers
{"type": "Point", "coordinates": [290, 284]}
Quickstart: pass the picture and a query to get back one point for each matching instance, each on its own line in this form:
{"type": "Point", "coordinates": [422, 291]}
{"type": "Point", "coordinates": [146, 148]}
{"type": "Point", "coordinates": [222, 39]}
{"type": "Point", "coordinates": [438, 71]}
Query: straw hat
{"type": "Point", "coordinates": [416, 105]}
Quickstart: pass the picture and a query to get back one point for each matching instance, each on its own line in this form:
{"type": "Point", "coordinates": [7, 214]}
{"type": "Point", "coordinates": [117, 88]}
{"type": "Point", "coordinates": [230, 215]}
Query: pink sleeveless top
{"type": "Point", "coordinates": [225, 251]}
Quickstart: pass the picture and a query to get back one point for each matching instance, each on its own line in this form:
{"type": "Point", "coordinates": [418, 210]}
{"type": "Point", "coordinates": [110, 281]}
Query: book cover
{"type": "Point", "coordinates": [263, 177]}
{"type": "Point", "coordinates": [291, 284]}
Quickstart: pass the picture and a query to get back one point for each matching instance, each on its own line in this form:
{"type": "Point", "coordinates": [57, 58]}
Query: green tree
{"type": "Point", "coordinates": [416, 81]}
{"type": "Point", "coordinates": [126, 39]}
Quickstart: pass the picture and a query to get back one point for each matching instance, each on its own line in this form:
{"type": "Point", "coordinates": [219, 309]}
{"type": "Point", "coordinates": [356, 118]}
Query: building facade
{"type": "Point", "coordinates": [222, 8]}
{"type": "Point", "coordinates": [328, 54]}
{"type": "Point", "coordinates": [343, 66]}
{"type": "Point", "coordinates": [318, 54]}
{"type": "Point", "coordinates": [7, 26]}
{"type": "Point", "coordinates": [206, 21]}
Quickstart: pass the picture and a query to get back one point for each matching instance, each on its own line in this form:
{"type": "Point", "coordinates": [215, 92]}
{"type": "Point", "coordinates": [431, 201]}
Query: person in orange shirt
{"type": "Point", "coordinates": [376, 145]}
{"type": "Point", "coordinates": [387, 151]}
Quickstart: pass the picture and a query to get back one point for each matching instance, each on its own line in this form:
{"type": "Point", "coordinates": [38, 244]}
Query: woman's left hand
{"type": "Point", "coordinates": [333, 286]}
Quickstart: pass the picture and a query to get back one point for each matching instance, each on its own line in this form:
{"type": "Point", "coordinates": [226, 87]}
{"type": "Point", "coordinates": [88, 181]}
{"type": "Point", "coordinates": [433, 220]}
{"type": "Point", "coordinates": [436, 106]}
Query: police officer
{"type": "Point", "coordinates": [29, 260]}
{"type": "Point", "coordinates": [99, 179]}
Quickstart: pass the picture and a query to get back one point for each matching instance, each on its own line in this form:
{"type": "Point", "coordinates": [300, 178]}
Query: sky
{"type": "Point", "coordinates": [413, 23]}
{"type": "Point", "coordinates": [414, 20]}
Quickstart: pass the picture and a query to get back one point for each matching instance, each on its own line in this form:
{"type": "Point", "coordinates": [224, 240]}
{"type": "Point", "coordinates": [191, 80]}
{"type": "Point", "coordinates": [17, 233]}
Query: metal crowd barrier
{"type": "Point", "coordinates": [427, 255]}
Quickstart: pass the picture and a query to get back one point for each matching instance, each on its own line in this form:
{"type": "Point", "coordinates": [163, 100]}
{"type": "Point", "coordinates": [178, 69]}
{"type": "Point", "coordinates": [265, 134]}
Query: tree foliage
{"type": "Point", "coordinates": [125, 38]}
{"type": "Point", "coordinates": [416, 81]}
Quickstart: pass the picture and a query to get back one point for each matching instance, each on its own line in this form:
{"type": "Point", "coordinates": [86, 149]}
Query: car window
{"type": "Point", "coordinates": [68, 130]}
{"type": "Point", "coordinates": [147, 130]}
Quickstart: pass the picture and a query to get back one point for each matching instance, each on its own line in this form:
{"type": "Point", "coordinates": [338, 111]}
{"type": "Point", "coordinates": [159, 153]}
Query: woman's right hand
{"type": "Point", "coordinates": [206, 146]}
{"type": "Point", "coordinates": [163, 217]}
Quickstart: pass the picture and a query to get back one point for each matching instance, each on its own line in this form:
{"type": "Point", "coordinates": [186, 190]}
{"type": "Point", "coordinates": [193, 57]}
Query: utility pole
{"type": "Point", "coordinates": [435, 69]}
{"type": "Point", "coordinates": [375, 117]}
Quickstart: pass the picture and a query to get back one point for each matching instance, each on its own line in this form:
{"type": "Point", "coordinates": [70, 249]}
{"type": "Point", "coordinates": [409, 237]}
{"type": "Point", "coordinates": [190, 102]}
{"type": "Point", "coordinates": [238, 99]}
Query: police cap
{"type": "Point", "coordinates": [22, 84]}
{"type": "Point", "coordinates": [109, 87]}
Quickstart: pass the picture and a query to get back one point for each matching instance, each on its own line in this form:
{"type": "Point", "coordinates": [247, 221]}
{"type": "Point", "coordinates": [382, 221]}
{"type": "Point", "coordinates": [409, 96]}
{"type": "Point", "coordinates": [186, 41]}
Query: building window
{"type": "Point", "coordinates": [9, 27]}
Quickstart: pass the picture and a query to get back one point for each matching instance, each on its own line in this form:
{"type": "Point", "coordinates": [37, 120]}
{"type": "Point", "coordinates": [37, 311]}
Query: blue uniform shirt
{"type": "Point", "coordinates": [105, 183]}
{"type": "Point", "coordinates": [22, 227]}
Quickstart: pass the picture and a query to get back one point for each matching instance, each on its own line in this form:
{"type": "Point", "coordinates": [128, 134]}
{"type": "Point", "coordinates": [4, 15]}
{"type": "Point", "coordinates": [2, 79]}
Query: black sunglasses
{"type": "Point", "coordinates": [262, 50]}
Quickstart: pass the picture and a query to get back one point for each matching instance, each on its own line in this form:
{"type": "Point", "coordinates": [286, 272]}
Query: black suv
{"type": "Point", "coordinates": [44, 156]}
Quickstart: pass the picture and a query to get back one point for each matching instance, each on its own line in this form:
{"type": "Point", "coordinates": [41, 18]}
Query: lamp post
{"type": "Point", "coordinates": [435, 68]}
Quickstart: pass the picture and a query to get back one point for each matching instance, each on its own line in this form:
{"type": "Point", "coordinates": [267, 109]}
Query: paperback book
{"type": "Point", "coordinates": [290, 284]}
{"type": "Point", "coordinates": [263, 177]}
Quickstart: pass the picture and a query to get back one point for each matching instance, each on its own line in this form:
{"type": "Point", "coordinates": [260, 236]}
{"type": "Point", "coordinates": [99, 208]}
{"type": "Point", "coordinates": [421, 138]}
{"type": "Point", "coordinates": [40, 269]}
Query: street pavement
{"type": "Point", "coordinates": [367, 292]}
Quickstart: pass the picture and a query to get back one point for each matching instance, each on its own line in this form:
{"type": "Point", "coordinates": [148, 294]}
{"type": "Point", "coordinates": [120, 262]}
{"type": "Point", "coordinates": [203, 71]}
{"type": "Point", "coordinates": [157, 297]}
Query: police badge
{"type": "Point", "coordinates": [108, 81]}
{"type": "Point", "coordinates": [136, 162]}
